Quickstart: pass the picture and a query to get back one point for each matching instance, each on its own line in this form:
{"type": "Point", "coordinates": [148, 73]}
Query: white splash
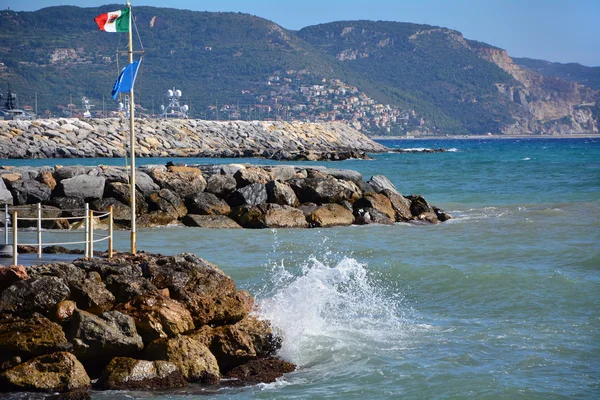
{"type": "Point", "coordinates": [326, 313]}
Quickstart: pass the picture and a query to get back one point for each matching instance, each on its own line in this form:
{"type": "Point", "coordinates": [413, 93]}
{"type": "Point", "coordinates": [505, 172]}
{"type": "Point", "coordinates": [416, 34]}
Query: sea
{"type": "Point", "coordinates": [501, 302]}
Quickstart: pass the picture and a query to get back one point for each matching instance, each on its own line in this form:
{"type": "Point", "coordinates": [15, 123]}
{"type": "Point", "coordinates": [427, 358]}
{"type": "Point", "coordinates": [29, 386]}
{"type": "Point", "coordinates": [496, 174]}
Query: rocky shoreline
{"type": "Point", "coordinates": [132, 322]}
{"type": "Point", "coordinates": [214, 196]}
{"type": "Point", "coordinates": [109, 137]}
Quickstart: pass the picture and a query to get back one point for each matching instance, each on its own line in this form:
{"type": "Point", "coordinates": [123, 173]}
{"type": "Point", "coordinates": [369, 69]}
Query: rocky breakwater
{"type": "Point", "coordinates": [68, 138]}
{"type": "Point", "coordinates": [217, 196]}
{"type": "Point", "coordinates": [133, 322]}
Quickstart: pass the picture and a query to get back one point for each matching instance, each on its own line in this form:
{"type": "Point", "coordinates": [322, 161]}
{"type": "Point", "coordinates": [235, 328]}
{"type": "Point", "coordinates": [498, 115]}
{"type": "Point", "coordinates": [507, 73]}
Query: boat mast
{"type": "Point", "coordinates": [132, 140]}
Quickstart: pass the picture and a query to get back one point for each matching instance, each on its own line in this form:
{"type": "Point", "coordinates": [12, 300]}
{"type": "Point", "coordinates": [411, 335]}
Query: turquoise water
{"type": "Point", "coordinates": [502, 302]}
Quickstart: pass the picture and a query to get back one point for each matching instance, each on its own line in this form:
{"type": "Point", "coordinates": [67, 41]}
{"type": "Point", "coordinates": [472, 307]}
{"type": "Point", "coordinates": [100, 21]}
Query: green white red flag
{"type": "Point", "coordinates": [115, 21]}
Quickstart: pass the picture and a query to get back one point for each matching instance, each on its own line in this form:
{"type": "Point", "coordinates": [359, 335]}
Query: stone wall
{"type": "Point", "coordinates": [72, 138]}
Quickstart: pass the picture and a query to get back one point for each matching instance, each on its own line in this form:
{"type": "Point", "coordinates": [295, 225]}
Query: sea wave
{"type": "Point", "coordinates": [336, 311]}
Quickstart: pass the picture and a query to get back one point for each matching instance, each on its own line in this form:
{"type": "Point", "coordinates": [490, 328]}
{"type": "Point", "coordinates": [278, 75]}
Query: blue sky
{"type": "Point", "coordinates": [553, 30]}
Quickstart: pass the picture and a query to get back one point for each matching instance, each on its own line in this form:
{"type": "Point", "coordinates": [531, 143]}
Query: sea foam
{"type": "Point", "coordinates": [332, 311]}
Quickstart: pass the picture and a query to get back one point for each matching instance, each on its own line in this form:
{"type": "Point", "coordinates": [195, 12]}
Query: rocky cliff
{"type": "Point", "coordinates": [544, 104]}
{"type": "Point", "coordinates": [67, 138]}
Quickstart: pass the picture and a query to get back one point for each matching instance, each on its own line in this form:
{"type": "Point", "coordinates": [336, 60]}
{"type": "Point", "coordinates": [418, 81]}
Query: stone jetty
{"type": "Point", "coordinates": [132, 322]}
{"type": "Point", "coordinates": [216, 196]}
{"type": "Point", "coordinates": [84, 138]}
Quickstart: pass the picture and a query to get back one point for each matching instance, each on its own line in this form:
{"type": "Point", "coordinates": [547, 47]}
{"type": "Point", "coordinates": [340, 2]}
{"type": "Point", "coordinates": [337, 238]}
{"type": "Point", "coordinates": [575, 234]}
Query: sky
{"type": "Point", "coordinates": [553, 30]}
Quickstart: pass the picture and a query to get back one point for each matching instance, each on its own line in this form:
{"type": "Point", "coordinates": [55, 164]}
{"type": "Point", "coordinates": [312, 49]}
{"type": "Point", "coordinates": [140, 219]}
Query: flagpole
{"type": "Point", "coordinates": [132, 140]}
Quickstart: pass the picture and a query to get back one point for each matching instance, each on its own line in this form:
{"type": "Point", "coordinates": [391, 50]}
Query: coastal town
{"type": "Point", "coordinates": [285, 96]}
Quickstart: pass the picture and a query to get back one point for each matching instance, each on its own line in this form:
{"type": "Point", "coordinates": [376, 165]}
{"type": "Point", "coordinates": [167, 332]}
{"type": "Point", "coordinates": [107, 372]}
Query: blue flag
{"type": "Point", "coordinates": [126, 79]}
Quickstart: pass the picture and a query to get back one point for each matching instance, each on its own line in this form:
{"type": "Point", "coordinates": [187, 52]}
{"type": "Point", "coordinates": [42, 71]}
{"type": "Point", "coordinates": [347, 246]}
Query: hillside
{"type": "Point", "coordinates": [574, 72]}
{"type": "Point", "coordinates": [380, 77]}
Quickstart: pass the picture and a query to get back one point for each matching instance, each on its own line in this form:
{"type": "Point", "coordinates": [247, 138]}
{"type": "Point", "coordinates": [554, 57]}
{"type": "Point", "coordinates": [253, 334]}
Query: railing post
{"type": "Point", "coordinates": [87, 230]}
{"type": "Point", "coordinates": [39, 229]}
{"type": "Point", "coordinates": [91, 233]}
{"type": "Point", "coordinates": [110, 232]}
{"type": "Point", "coordinates": [15, 244]}
{"type": "Point", "coordinates": [5, 223]}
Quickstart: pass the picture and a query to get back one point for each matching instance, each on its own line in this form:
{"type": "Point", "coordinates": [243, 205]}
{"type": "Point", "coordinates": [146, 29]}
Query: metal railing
{"type": "Point", "coordinates": [90, 238]}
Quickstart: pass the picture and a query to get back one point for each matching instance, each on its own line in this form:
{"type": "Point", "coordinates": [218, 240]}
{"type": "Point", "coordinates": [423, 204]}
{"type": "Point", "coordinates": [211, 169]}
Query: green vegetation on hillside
{"type": "Point", "coordinates": [588, 76]}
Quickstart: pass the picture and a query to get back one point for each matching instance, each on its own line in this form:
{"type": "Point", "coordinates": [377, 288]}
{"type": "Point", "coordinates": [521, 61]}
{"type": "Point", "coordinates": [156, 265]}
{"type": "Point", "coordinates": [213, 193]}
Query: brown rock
{"type": "Point", "coordinates": [12, 274]}
{"type": "Point", "coordinates": [156, 218]}
{"type": "Point", "coordinates": [31, 337]}
{"type": "Point", "coordinates": [237, 344]}
{"type": "Point", "coordinates": [330, 215]}
{"type": "Point", "coordinates": [167, 201]}
{"type": "Point", "coordinates": [207, 204]}
{"type": "Point", "coordinates": [157, 316]}
{"type": "Point", "coordinates": [56, 372]}
{"type": "Point", "coordinates": [183, 181]}
{"type": "Point", "coordinates": [124, 373]}
{"type": "Point", "coordinates": [191, 356]}
{"type": "Point", "coordinates": [64, 310]}
{"type": "Point", "coordinates": [400, 204]}
{"type": "Point", "coordinates": [210, 221]}
{"type": "Point", "coordinates": [204, 289]}
{"type": "Point", "coordinates": [379, 202]}
{"type": "Point", "coordinates": [264, 370]}
{"type": "Point", "coordinates": [47, 179]}
{"type": "Point", "coordinates": [276, 216]}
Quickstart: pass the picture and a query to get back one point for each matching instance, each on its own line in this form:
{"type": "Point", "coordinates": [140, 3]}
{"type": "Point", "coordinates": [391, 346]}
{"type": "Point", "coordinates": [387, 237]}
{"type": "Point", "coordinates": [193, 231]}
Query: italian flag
{"type": "Point", "coordinates": [116, 21]}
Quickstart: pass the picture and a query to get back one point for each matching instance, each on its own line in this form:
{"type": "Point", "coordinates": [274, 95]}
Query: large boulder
{"type": "Point", "coordinates": [86, 288]}
{"type": "Point", "coordinates": [379, 183]}
{"type": "Point", "coordinates": [68, 172]}
{"type": "Point", "coordinates": [210, 221]}
{"type": "Point", "coordinates": [377, 201]}
{"type": "Point", "coordinates": [400, 204]}
{"type": "Point", "coordinates": [34, 295]}
{"type": "Point", "coordinates": [282, 194]}
{"type": "Point", "coordinates": [83, 186]}
{"type": "Point", "coordinates": [276, 216]}
{"type": "Point", "coordinates": [207, 204]}
{"type": "Point", "coordinates": [124, 373]}
{"type": "Point", "coordinates": [369, 215]}
{"type": "Point", "coordinates": [282, 172]}
{"type": "Point", "coordinates": [157, 316]}
{"type": "Point", "coordinates": [6, 196]}
{"type": "Point", "coordinates": [167, 201]}
{"type": "Point", "coordinates": [27, 216]}
{"type": "Point", "coordinates": [251, 195]}
{"type": "Point", "coordinates": [26, 338]}
{"type": "Point", "coordinates": [155, 219]}
{"type": "Point", "coordinates": [122, 193]}
{"type": "Point", "coordinates": [329, 215]}
{"type": "Point", "coordinates": [28, 191]}
{"type": "Point", "coordinates": [126, 287]}
{"type": "Point", "coordinates": [249, 175]}
{"type": "Point", "coordinates": [221, 185]}
{"type": "Point", "coordinates": [183, 181]}
{"type": "Point", "coordinates": [121, 212]}
{"type": "Point", "coordinates": [239, 343]}
{"type": "Point", "coordinates": [70, 206]}
{"type": "Point", "coordinates": [209, 294]}
{"type": "Point", "coordinates": [248, 216]}
{"type": "Point", "coordinates": [56, 372]}
{"type": "Point", "coordinates": [144, 183]}
{"type": "Point", "coordinates": [190, 355]}
{"type": "Point", "coordinates": [321, 190]}
{"type": "Point", "coordinates": [98, 338]}
{"type": "Point", "coordinates": [262, 370]}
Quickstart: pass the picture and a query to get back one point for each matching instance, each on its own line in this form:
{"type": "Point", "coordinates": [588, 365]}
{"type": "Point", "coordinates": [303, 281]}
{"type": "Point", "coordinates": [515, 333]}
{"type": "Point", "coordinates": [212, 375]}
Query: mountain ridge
{"type": "Point", "coordinates": [382, 77]}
